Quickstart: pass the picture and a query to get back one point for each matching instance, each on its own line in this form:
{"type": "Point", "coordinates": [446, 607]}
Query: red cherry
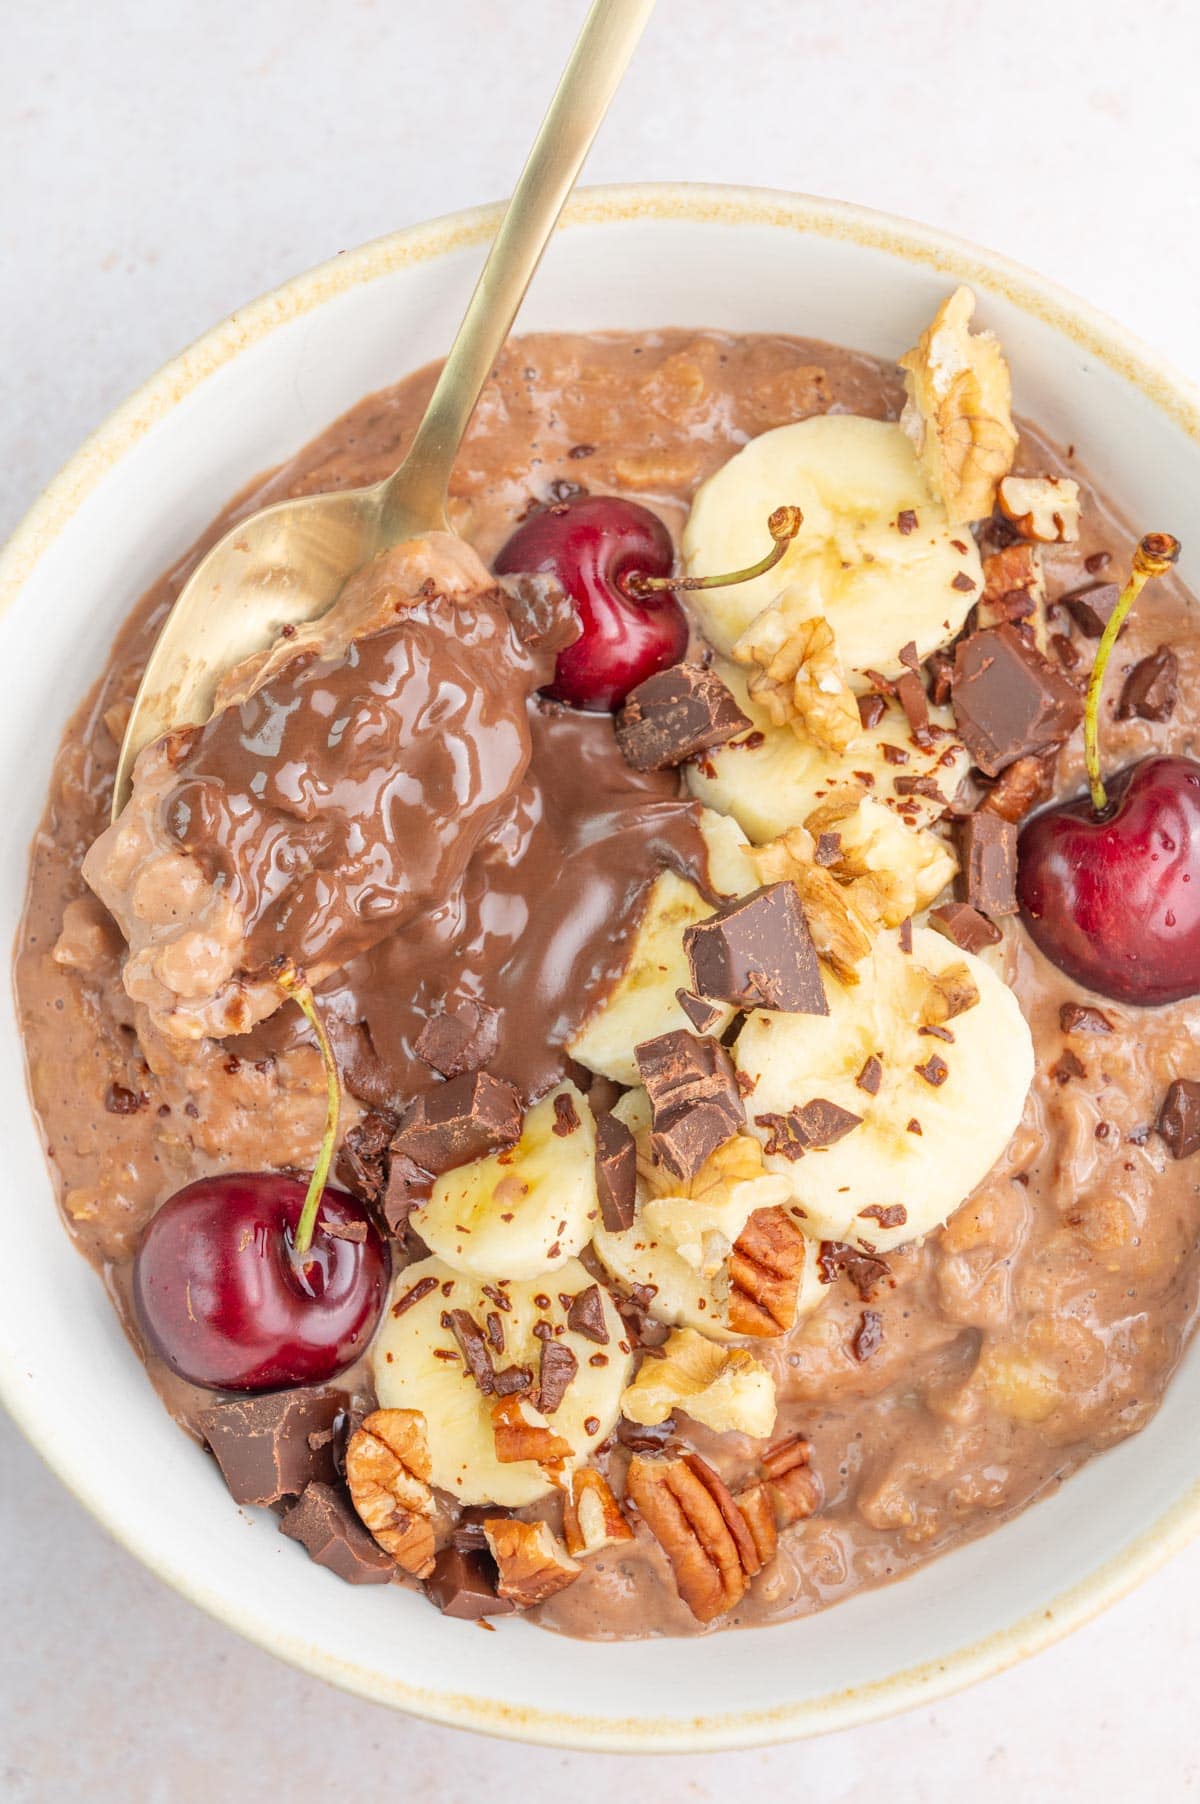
{"type": "Point", "coordinates": [593, 544]}
{"type": "Point", "coordinates": [229, 1306]}
{"type": "Point", "coordinates": [1114, 900]}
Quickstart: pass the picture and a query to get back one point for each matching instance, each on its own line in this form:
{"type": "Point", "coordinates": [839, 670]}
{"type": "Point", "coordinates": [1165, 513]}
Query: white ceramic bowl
{"type": "Point", "coordinates": [126, 505]}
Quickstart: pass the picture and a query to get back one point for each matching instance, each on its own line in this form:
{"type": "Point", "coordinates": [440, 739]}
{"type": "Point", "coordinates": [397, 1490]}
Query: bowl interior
{"type": "Point", "coordinates": [127, 506]}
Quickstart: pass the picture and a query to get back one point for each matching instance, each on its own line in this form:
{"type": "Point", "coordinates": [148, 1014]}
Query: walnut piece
{"type": "Point", "coordinates": [691, 1514]}
{"type": "Point", "coordinates": [522, 1432]}
{"type": "Point", "coordinates": [765, 1269]}
{"type": "Point", "coordinates": [1042, 508]}
{"type": "Point", "coordinates": [531, 1560]}
{"type": "Point", "coordinates": [959, 410]}
{"type": "Point", "coordinates": [387, 1471]}
{"type": "Point", "coordinates": [592, 1517]}
{"type": "Point", "coordinates": [724, 1387]}
{"type": "Point", "coordinates": [798, 679]}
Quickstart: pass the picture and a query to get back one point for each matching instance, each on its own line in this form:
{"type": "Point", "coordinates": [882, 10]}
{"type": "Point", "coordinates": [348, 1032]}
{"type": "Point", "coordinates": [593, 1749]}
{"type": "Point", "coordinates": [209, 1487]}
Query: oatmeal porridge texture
{"type": "Point", "coordinates": [493, 892]}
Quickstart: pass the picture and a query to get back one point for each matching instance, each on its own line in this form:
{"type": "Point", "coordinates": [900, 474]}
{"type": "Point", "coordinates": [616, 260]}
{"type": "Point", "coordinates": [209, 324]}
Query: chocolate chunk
{"type": "Point", "coordinates": [988, 853]}
{"type": "Point", "coordinates": [558, 1368]}
{"type": "Point", "coordinates": [586, 1315]}
{"type": "Point", "coordinates": [345, 1230]}
{"type": "Point", "coordinates": [906, 521]}
{"type": "Point", "coordinates": [120, 1100]}
{"type": "Point", "coordinates": [888, 1215]}
{"type": "Point", "coordinates": [695, 1101]}
{"type": "Point", "coordinates": [462, 1038]}
{"type": "Point", "coordinates": [871, 710]}
{"type": "Point", "coordinates": [1081, 1018]}
{"type": "Point", "coordinates": [1151, 689]}
{"type": "Point", "coordinates": [408, 1299]}
{"type": "Point", "coordinates": [868, 1336]}
{"type": "Point", "coordinates": [463, 1584]}
{"type": "Point", "coordinates": [456, 1122]}
{"type": "Point", "coordinates": [408, 1186]}
{"type": "Point", "coordinates": [757, 952]}
{"type": "Point", "coordinates": [965, 926]}
{"type": "Point", "coordinates": [1091, 607]}
{"type": "Point", "coordinates": [616, 1173]}
{"type": "Point", "coordinates": [1009, 700]}
{"type": "Point", "coordinates": [513, 1379]}
{"type": "Point", "coordinates": [675, 714]}
{"type": "Point", "coordinates": [864, 1270]}
{"type": "Point", "coordinates": [264, 1445]}
{"type": "Point", "coordinates": [566, 1117]}
{"type": "Point", "coordinates": [700, 1013]}
{"type": "Point", "coordinates": [941, 677]}
{"type": "Point", "coordinates": [326, 1526]}
{"type": "Point", "coordinates": [814, 1125]}
{"type": "Point", "coordinates": [543, 615]}
{"type": "Point", "coordinates": [1024, 785]}
{"type": "Point", "coordinates": [362, 1157]}
{"type": "Point", "coordinates": [871, 1076]}
{"type": "Point", "coordinates": [1179, 1118]}
{"type": "Point", "coordinates": [828, 849]}
{"type": "Point", "coordinates": [470, 1337]}
{"type": "Point", "coordinates": [913, 700]}
{"type": "Point", "coordinates": [918, 786]}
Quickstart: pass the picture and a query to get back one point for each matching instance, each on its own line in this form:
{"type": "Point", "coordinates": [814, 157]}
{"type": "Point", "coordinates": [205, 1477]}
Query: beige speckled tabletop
{"type": "Point", "coordinates": [165, 159]}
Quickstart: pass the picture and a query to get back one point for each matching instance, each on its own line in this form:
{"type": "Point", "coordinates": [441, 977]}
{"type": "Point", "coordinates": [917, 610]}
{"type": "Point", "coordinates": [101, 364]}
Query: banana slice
{"type": "Point", "coordinates": [776, 782]}
{"type": "Point", "coordinates": [679, 1247]}
{"type": "Point", "coordinates": [524, 1211]}
{"type": "Point", "coordinates": [925, 1141]}
{"type": "Point", "coordinates": [859, 486]}
{"type": "Point", "coordinates": [413, 1370]}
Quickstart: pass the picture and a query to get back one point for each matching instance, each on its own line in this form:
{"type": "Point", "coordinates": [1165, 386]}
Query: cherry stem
{"type": "Point", "coordinates": [783, 526]}
{"type": "Point", "coordinates": [1153, 557]}
{"type": "Point", "coordinates": [297, 988]}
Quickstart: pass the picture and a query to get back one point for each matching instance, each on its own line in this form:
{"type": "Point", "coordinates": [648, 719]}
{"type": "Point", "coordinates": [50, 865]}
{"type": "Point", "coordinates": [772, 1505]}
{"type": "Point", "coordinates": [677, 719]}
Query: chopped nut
{"type": "Point", "coordinates": [1043, 508]}
{"type": "Point", "coordinates": [1020, 788]}
{"type": "Point", "coordinates": [940, 996]}
{"type": "Point", "coordinates": [959, 410]}
{"type": "Point", "coordinates": [592, 1517]}
{"type": "Point", "coordinates": [765, 1269]}
{"type": "Point", "coordinates": [799, 679]}
{"type": "Point", "coordinates": [521, 1432]}
{"type": "Point", "coordinates": [700, 1528]}
{"type": "Point", "coordinates": [795, 1489]}
{"type": "Point", "coordinates": [387, 1470]}
{"type": "Point", "coordinates": [758, 1509]}
{"type": "Point", "coordinates": [532, 1562]}
{"type": "Point", "coordinates": [723, 1387]}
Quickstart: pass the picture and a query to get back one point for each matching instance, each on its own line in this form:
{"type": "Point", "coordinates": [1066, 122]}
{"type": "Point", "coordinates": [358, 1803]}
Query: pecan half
{"type": "Point", "coordinates": [387, 1470]}
{"type": "Point", "coordinates": [692, 1515]}
{"type": "Point", "coordinates": [795, 1488]}
{"type": "Point", "coordinates": [592, 1517]}
{"type": "Point", "coordinates": [765, 1268]}
{"type": "Point", "coordinates": [531, 1560]}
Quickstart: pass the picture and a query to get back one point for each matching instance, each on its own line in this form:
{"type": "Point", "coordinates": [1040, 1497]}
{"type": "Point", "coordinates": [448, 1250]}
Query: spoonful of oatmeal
{"type": "Point", "coordinates": [285, 566]}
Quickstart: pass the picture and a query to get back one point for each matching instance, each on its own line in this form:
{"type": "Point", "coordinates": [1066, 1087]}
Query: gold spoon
{"type": "Point", "coordinates": [287, 564]}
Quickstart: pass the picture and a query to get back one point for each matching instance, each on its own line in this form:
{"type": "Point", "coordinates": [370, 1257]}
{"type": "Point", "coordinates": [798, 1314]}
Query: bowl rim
{"type": "Point", "coordinates": [1092, 331]}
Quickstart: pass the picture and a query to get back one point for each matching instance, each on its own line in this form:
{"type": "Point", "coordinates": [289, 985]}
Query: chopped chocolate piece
{"type": "Point", "coordinates": [1021, 787]}
{"type": "Point", "coordinates": [456, 1122]}
{"type": "Point", "coordinates": [463, 1583]}
{"type": "Point", "coordinates": [908, 656]}
{"type": "Point", "coordinates": [469, 1335]}
{"type": "Point", "coordinates": [871, 1076]}
{"type": "Point", "coordinates": [566, 1117]}
{"type": "Point", "coordinates": [864, 1270]}
{"type": "Point", "coordinates": [906, 934]}
{"type": "Point", "coordinates": [558, 1368]}
{"type": "Point", "coordinates": [828, 849]}
{"type": "Point", "coordinates": [362, 1158]}
{"type": "Point", "coordinates": [963, 583]}
{"type": "Point", "coordinates": [1064, 650]}
{"type": "Point", "coordinates": [871, 710]}
{"type": "Point", "coordinates": [265, 1445]}
{"type": "Point", "coordinates": [938, 1033]}
{"type": "Point", "coordinates": [906, 521]}
{"type": "Point", "coordinates": [586, 1315]}
{"type": "Point", "coordinates": [988, 853]}
{"type": "Point", "coordinates": [695, 1102]}
{"type": "Point", "coordinates": [345, 1230]}
{"type": "Point", "coordinates": [941, 677]}
{"type": "Point", "coordinates": [888, 1215]}
{"type": "Point", "coordinates": [408, 1186]}
{"type": "Point", "coordinates": [817, 1124]}
{"type": "Point", "coordinates": [675, 714]}
{"type": "Point", "coordinates": [935, 1070]}
{"type": "Point", "coordinates": [120, 1100]}
{"type": "Point", "coordinates": [918, 786]}
{"type": "Point", "coordinates": [512, 1379]}
{"type": "Point", "coordinates": [757, 952]}
{"type": "Point", "coordinates": [326, 1526]}
{"type": "Point", "coordinates": [783, 1135]}
{"type": "Point", "coordinates": [868, 1336]}
{"type": "Point", "coordinates": [701, 1013]}
{"type": "Point", "coordinates": [1151, 689]}
{"type": "Point", "coordinates": [1091, 607]}
{"type": "Point", "coordinates": [1009, 700]}
{"type": "Point", "coordinates": [616, 1173]}
{"type": "Point", "coordinates": [543, 615]}
{"type": "Point", "coordinates": [409, 1298]}
{"type": "Point", "coordinates": [1098, 561]}
{"type": "Point", "coordinates": [965, 926]}
{"type": "Point", "coordinates": [1068, 1066]}
{"type": "Point", "coordinates": [462, 1038]}
{"type": "Point", "coordinates": [915, 703]}
{"type": "Point", "coordinates": [1179, 1118]}
{"type": "Point", "coordinates": [1082, 1018]}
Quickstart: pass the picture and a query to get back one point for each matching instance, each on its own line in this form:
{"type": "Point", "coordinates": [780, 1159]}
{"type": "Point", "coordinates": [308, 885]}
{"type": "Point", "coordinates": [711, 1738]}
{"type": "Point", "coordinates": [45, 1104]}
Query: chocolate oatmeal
{"type": "Point", "coordinates": [737, 1202]}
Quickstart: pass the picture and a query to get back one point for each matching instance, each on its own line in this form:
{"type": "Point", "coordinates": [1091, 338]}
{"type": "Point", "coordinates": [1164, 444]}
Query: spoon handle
{"type": "Point", "coordinates": [415, 496]}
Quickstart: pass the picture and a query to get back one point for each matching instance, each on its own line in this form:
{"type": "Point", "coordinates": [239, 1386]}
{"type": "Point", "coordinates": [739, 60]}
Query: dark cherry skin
{"type": "Point", "coordinates": [1115, 902]}
{"type": "Point", "coordinates": [593, 544]}
{"type": "Point", "coordinates": [224, 1301]}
